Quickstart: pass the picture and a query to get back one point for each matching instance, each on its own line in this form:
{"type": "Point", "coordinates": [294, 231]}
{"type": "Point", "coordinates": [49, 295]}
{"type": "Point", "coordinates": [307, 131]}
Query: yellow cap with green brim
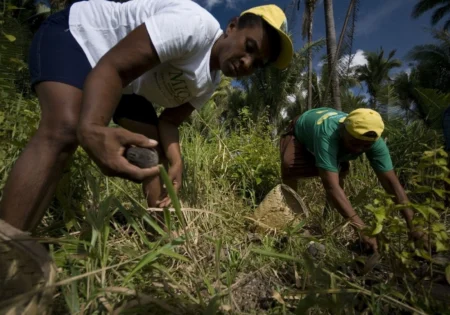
{"type": "Point", "coordinates": [363, 120]}
{"type": "Point", "coordinates": [276, 18]}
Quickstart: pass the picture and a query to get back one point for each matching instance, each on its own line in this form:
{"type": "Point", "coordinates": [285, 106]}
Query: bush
{"type": "Point", "coordinates": [253, 165]}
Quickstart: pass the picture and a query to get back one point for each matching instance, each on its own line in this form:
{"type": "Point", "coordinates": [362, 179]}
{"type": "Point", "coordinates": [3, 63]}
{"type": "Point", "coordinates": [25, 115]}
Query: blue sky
{"type": "Point", "coordinates": [385, 23]}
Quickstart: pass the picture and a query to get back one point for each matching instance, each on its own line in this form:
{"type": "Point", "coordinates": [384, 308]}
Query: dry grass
{"type": "Point", "coordinates": [110, 259]}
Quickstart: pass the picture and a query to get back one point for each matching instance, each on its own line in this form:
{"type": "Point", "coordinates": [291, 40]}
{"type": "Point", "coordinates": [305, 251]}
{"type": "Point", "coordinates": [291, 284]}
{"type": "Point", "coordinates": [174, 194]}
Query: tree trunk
{"type": "Point", "coordinates": [310, 65]}
{"type": "Point", "coordinates": [331, 52]}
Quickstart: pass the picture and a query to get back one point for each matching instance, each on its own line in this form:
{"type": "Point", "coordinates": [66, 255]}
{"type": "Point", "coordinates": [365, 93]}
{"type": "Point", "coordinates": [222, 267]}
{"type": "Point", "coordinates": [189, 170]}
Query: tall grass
{"type": "Point", "coordinates": [113, 257]}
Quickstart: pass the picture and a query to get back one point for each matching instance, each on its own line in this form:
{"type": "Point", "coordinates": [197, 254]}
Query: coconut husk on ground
{"type": "Point", "coordinates": [281, 207]}
{"type": "Point", "coordinates": [25, 266]}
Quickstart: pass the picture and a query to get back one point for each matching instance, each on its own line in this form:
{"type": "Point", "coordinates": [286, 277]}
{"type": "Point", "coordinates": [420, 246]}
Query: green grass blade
{"type": "Point", "coordinates": [218, 252]}
{"type": "Point", "coordinates": [213, 306]}
{"type": "Point", "coordinates": [147, 218]}
{"type": "Point", "coordinates": [276, 255]}
{"type": "Point", "coordinates": [305, 304]}
{"type": "Point", "coordinates": [172, 194]}
{"type": "Point", "coordinates": [133, 224]}
{"type": "Point", "coordinates": [148, 259]}
{"type": "Point", "coordinates": [170, 253]}
{"type": "Point", "coordinates": [167, 219]}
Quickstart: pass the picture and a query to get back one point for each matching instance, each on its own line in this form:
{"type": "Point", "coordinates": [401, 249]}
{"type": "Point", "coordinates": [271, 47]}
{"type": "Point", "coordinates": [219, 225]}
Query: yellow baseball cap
{"type": "Point", "coordinates": [363, 120]}
{"type": "Point", "coordinates": [276, 18]}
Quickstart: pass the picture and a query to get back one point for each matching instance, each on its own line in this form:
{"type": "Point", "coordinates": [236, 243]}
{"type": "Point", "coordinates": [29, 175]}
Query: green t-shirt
{"type": "Point", "coordinates": [318, 130]}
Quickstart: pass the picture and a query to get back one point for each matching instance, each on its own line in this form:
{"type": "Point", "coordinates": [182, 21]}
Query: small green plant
{"type": "Point", "coordinates": [411, 261]}
{"type": "Point", "coordinates": [253, 163]}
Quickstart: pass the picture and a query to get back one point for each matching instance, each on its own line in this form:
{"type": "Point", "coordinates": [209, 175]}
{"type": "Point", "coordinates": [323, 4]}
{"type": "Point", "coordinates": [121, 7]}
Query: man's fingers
{"type": "Point", "coordinates": [131, 138]}
{"type": "Point", "coordinates": [135, 173]}
{"type": "Point", "coordinates": [165, 202]}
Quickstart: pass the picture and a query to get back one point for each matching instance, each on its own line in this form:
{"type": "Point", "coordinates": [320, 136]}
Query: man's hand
{"type": "Point", "coordinates": [419, 238]}
{"type": "Point", "coordinates": [370, 243]}
{"type": "Point", "coordinates": [175, 176]}
{"type": "Point", "coordinates": [106, 147]}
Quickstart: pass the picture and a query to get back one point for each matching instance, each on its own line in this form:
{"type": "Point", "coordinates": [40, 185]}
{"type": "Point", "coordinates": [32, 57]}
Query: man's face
{"type": "Point", "coordinates": [353, 145]}
{"type": "Point", "coordinates": [244, 51]}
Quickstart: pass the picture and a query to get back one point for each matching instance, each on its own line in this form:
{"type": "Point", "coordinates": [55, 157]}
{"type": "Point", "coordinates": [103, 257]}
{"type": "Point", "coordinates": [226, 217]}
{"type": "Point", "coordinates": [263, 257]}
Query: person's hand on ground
{"type": "Point", "coordinates": [420, 239]}
{"type": "Point", "coordinates": [106, 147]}
{"type": "Point", "coordinates": [175, 176]}
{"type": "Point", "coordinates": [369, 243]}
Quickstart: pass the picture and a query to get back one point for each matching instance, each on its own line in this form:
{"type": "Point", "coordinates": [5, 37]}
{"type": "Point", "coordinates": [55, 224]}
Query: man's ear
{"type": "Point", "coordinates": [232, 25]}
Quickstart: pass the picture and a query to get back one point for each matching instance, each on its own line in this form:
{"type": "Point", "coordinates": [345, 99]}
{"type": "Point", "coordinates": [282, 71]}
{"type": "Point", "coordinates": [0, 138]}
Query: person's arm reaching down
{"type": "Point", "coordinates": [391, 184]}
{"type": "Point", "coordinates": [169, 121]}
{"type": "Point", "coordinates": [336, 194]}
{"type": "Point", "coordinates": [126, 61]}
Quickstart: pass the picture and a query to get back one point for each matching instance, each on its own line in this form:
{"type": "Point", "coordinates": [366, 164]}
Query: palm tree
{"type": "Point", "coordinates": [307, 31]}
{"type": "Point", "coordinates": [405, 86]}
{"type": "Point", "coordinates": [434, 103]}
{"type": "Point", "coordinates": [331, 52]}
{"type": "Point", "coordinates": [212, 111]}
{"type": "Point", "coordinates": [433, 62]}
{"type": "Point", "coordinates": [424, 104]}
{"type": "Point", "coordinates": [440, 7]}
{"type": "Point", "coordinates": [350, 101]}
{"type": "Point", "coordinates": [268, 89]}
{"type": "Point", "coordinates": [376, 72]}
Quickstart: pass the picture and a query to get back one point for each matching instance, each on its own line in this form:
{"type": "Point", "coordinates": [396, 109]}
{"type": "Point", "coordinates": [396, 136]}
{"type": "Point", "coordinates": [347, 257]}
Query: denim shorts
{"type": "Point", "coordinates": [56, 56]}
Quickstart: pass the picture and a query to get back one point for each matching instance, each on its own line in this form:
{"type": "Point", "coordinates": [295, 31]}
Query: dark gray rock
{"type": "Point", "coordinates": [142, 157]}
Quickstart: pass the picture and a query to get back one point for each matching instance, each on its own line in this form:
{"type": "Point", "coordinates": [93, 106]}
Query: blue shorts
{"type": "Point", "coordinates": [56, 56]}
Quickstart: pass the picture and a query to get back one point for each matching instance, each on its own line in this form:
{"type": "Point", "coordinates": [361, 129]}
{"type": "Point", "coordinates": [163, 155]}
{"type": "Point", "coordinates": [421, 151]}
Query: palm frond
{"type": "Point", "coordinates": [433, 104]}
{"type": "Point", "coordinates": [425, 5]}
{"type": "Point", "coordinates": [439, 13]}
{"type": "Point", "coordinates": [427, 52]}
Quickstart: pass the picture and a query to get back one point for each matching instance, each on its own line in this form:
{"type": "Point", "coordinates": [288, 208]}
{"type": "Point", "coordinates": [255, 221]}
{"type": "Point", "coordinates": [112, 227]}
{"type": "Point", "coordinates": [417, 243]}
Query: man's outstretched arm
{"type": "Point", "coordinates": [392, 185]}
{"type": "Point", "coordinates": [336, 194]}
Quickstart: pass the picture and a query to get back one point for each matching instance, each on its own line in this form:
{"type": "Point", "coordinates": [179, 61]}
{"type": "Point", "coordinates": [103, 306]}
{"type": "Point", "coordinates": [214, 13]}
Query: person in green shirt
{"type": "Point", "coordinates": [322, 141]}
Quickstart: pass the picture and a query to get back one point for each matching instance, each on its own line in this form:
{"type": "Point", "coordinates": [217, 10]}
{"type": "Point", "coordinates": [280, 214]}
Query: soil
{"type": "Point", "coordinates": [255, 294]}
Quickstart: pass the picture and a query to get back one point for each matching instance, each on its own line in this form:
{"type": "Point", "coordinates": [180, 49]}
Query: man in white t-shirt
{"type": "Point", "coordinates": [100, 60]}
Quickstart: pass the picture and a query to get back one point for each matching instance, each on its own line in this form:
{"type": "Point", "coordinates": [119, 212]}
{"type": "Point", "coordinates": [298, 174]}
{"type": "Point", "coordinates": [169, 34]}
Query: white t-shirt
{"type": "Point", "coordinates": [182, 32]}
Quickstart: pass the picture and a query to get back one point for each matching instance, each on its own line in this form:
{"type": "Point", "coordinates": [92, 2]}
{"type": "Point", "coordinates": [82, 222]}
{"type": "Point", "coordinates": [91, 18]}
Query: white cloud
{"type": "Point", "coordinates": [209, 4]}
{"type": "Point", "coordinates": [373, 19]}
{"type": "Point", "coordinates": [304, 93]}
{"type": "Point", "coordinates": [358, 59]}
{"type": "Point", "coordinates": [366, 96]}
{"type": "Point", "coordinates": [291, 98]}
{"type": "Point", "coordinates": [397, 71]}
